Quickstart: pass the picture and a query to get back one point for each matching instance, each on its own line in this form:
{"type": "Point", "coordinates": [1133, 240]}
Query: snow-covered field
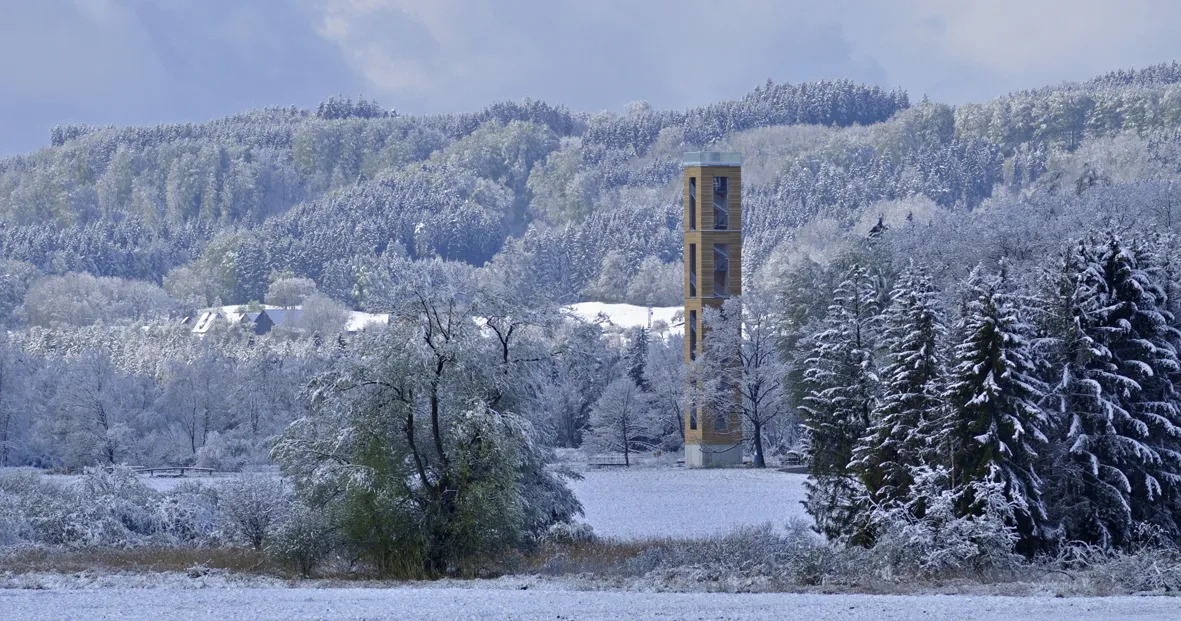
{"type": "Point", "coordinates": [299, 604]}
{"type": "Point", "coordinates": [650, 501]}
{"type": "Point", "coordinates": [640, 503]}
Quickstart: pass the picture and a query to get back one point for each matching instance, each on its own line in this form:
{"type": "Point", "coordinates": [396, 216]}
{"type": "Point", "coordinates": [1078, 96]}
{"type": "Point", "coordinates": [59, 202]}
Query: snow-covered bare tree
{"type": "Point", "coordinates": [576, 375]}
{"type": "Point", "coordinates": [196, 400]}
{"type": "Point", "coordinates": [288, 292]}
{"type": "Point", "coordinates": [740, 368]}
{"type": "Point", "coordinates": [515, 312]}
{"type": "Point", "coordinates": [14, 380]}
{"type": "Point", "coordinates": [621, 420]}
{"type": "Point", "coordinates": [321, 317]}
{"type": "Point", "coordinates": [253, 506]}
{"type": "Point", "coordinates": [665, 375]}
{"type": "Point", "coordinates": [95, 413]}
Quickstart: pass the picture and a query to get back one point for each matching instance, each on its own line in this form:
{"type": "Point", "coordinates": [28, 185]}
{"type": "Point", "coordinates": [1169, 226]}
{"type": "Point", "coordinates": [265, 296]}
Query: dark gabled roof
{"type": "Point", "coordinates": [284, 317]}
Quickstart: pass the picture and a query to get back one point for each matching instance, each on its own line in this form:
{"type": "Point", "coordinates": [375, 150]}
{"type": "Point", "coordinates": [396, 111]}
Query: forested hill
{"type": "Point", "coordinates": [216, 211]}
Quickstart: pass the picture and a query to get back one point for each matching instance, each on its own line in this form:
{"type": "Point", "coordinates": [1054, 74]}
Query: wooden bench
{"type": "Point", "coordinates": [794, 463]}
{"type": "Point", "coordinates": [602, 461]}
{"type": "Point", "coordinates": [171, 471]}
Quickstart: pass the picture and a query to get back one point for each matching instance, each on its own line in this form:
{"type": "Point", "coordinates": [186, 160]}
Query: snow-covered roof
{"type": "Point", "coordinates": [205, 321]}
{"type": "Point", "coordinates": [281, 316]}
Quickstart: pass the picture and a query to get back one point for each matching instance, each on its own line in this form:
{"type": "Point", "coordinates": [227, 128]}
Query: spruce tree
{"type": "Point", "coordinates": [900, 435]}
{"type": "Point", "coordinates": [841, 385]}
{"type": "Point", "coordinates": [1158, 503]}
{"type": "Point", "coordinates": [637, 356]}
{"type": "Point", "coordinates": [1118, 408]}
{"type": "Point", "coordinates": [996, 426]}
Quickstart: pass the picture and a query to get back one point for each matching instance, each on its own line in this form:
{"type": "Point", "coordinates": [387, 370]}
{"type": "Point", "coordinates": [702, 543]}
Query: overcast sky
{"type": "Point", "coordinates": [144, 61]}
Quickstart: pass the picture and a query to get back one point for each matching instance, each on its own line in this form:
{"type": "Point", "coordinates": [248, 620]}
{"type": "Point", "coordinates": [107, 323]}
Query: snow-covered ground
{"type": "Point", "coordinates": [627, 315]}
{"type": "Point", "coordinates": [641, 503]}
{"type": "Point", "coordinates": [430, 603]}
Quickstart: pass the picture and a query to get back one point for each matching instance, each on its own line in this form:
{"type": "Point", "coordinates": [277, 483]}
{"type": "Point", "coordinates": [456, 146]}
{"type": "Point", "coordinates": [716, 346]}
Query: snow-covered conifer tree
{"type": "Point", "coordinates": [996, 426]}
{"type": "Point", "coordinates": [1117, 404]}
{"type": "Point", "coordinates": [637, 356]}
{"type": "Point", "coordinates": [901, 433]}
{"type": "Point", "coordinates": [842, 386]}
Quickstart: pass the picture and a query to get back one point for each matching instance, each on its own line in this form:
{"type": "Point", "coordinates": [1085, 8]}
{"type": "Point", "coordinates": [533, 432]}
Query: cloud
{"type": "Point", "coordinates": [146, 61]}
{"type": "Point", "coordinates": [976, 49]}
{"type": "Point", "coordinates": [450, 55]}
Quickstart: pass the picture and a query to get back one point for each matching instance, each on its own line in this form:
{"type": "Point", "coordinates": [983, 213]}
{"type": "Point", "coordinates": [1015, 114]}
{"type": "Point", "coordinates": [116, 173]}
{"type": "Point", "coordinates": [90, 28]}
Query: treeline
{"type": "Point", "coordinates": [104, 372]}
{"type": "Point", "coordinates": [838, 103]}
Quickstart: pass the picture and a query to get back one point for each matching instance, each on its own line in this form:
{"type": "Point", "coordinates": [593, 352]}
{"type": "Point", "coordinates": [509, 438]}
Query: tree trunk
{"type": "Point", "coordinates": [5, 421]}
{"type": "Point", "coordinates": [760, 461]}
{"type": "Point", "coordinates": [626, 456]}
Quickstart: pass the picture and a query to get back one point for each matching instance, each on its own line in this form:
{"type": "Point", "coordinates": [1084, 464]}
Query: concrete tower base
{"type": "Point", "coordinates": [713, 455]}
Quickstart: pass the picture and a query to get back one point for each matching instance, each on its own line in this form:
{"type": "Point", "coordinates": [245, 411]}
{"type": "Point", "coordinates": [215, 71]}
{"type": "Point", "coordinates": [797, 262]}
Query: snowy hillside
{"type": "Point", "coordinates": [627, 315]}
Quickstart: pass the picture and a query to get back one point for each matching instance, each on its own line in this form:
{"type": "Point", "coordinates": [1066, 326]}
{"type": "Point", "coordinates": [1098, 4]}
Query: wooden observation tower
{"type": "Point", "coordinates": [713, 273]}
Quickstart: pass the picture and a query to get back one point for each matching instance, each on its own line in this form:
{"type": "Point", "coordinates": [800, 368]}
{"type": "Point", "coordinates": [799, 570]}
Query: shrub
{"type": "Point", "coordinates": [189, 515]}
{"type": "Point", "coordinates": [226, 454]}
{"type": "Point", "coordinates": [304, 538]}
{"type": "Point", "coordinates": [253, 506]}
{"type": "Point", "coordinates": [939, 543]}
{"type": "Point", "coordinates": [109, 507]}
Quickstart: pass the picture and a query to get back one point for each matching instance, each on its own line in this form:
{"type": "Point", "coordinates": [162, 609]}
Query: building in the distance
{"type": "Point", "coordinates": [713, 273]}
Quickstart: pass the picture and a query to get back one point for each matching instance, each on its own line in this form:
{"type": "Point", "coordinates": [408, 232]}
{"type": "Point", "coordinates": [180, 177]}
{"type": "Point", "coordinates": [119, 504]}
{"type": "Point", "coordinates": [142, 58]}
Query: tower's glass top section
{"type": "Point", "coordinates": [712, 158]}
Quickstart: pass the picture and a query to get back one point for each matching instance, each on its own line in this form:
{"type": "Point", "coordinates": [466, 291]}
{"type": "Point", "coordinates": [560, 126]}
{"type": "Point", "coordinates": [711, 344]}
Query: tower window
{"type": "Point", "coordinates": [692, 270]}
{"type": "Point", "coordinates": [721, 203]}
{"type": "Point", "coordinates": [693, 415]}
{"type": "Point", "coordinates": [721, 270]}
{"type": "Point", "coordinates": [692, 203]}
{"type": "Point", "coordinates": [692, 335]}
